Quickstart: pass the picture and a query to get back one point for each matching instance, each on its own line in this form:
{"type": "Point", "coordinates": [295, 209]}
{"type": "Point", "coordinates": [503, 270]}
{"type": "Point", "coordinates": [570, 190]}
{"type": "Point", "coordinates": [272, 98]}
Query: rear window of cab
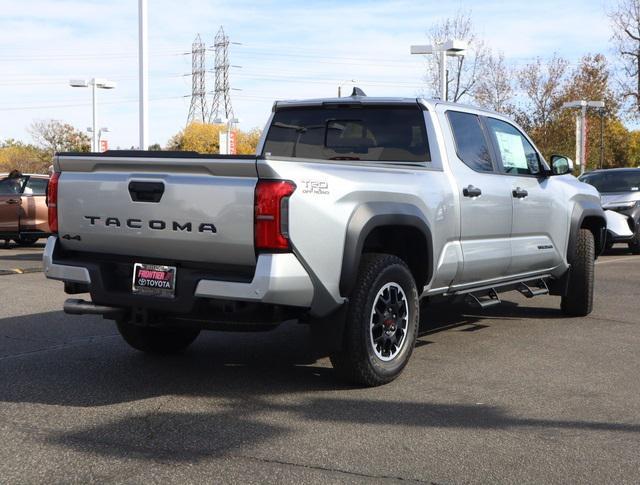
{"type": "Point", "coordinates": [368, 133]}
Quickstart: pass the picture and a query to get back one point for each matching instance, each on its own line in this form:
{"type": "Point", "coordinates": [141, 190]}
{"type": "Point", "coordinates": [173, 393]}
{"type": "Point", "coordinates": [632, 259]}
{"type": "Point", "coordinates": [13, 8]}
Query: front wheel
{"type": "Point", "coordinates": [382, 322]}
{"type": "Point", "coordinates": [578, 302]}
{"type": "Point", "coordinates": [157, 340]}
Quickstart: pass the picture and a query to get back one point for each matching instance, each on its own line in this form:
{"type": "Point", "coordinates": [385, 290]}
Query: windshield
{"type": "Point", "coordinates": [618, 181]}
{"type": "Point", "coordinates": [371, 133]}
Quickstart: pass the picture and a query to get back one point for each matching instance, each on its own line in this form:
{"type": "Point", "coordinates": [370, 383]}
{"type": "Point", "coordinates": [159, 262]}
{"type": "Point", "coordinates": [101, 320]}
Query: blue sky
{"type": "Point", "coordinates": [289, 50]}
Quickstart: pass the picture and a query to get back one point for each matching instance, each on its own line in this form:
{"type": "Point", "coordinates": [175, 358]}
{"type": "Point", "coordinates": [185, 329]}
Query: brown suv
{"type": "Point", "coordinates": [23, 208]}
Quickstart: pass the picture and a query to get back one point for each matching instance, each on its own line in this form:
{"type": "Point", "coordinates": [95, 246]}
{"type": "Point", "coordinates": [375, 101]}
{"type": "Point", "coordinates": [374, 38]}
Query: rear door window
{"type": "Point", "coordinates": [36, 186]}
{"type": "Point", "coordinates": [368, 133]}
{"type": "Point", "coordinates": [471, 144]}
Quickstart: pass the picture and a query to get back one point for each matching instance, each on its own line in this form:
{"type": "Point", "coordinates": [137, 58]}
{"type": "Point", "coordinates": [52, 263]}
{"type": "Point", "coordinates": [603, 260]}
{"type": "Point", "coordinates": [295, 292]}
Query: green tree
{"type": "Point", "coordinates": [205, 138]}
{"type": "Point", "coordinates": [23, 157]}
{"type": "Point", "coordinates": [547, 86]}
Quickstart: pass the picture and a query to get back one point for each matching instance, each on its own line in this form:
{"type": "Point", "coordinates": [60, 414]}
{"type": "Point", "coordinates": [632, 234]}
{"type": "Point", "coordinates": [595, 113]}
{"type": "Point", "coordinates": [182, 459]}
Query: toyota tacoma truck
{"type": "Point", "coordinates": [353, 210]}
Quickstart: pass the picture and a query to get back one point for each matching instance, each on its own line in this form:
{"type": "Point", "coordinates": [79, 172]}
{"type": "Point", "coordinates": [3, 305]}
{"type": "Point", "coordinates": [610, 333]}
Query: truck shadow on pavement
{"type": "Point", "coordinates": [82, 361]}
{"type": "Point", "coordinates": [246, 389]}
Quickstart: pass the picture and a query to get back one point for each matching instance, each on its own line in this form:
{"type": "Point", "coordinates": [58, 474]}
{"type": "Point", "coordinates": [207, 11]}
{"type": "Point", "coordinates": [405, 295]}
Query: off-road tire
{"type": "Point", "coordinates": [157, 340]}
{"type": "Point", "coordinates": [357, 361]}
{"type": "Point", "coordinates": [26, 241]}
{"type": "Point", "coordinates": [578, 302]}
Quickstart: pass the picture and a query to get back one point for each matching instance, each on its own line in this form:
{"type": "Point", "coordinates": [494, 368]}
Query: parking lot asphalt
{"type": "Point", "coordinates": [513, 394]}
{"type": "Point", "coordinates": [16, 259]}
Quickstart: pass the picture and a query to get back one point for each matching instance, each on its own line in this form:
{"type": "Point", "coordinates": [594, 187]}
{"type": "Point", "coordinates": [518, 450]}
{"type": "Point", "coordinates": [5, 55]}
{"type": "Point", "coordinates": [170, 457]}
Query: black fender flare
{"type": "Point", "coordinates": [582, 210]}
{"type": "Point", "coordinates": [364, 219]}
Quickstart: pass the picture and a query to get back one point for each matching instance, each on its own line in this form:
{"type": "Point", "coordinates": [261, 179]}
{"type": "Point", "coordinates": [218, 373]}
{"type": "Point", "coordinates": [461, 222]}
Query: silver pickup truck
{"type": "Point", "coordinates": [353, 211]}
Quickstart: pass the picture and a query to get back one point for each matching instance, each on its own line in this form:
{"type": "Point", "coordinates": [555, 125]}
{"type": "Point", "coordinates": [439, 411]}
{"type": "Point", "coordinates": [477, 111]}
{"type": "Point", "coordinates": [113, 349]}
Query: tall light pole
{"type": "Point", "coordinates": [581, 128]}
{"type": "Point", "coordinates": [449, 48]}
{"type": "Point", "coordinates": [143, 64]}
{"type": "Point", "coordinates": [95, 84]}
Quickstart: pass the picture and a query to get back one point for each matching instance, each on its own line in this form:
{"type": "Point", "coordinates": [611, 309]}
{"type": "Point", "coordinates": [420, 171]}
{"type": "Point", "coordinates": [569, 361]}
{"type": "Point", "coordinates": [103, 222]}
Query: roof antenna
{"type": "Point", "coordinates": [357, 92]}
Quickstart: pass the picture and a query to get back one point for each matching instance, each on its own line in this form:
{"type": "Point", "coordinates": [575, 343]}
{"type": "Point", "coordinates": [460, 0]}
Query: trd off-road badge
{"type": "Point", "coordinates": [317, 187]}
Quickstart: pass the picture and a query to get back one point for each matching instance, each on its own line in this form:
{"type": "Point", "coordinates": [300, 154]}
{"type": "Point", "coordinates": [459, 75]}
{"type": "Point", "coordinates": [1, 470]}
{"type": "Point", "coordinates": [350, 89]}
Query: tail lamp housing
{"type": "Point", "coordinates": [272, 214]}
{"type": "Point", "coordinates": [52, 202]}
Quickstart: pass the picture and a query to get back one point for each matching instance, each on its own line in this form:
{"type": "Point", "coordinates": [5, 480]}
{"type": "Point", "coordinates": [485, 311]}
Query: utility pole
{"type": "Point", "coordinates": [198, 108]}
{"type": "Point", "coordinates": [143, 64]}
{"type": "Point", "coordinates": [601, 137]}
{"type": "Point", "coordinates": [221, 104]}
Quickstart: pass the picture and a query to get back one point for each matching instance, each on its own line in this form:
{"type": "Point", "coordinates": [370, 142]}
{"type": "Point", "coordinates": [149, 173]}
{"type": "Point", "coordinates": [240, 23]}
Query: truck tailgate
{"type": "Point", "coordinates": [175, 209]}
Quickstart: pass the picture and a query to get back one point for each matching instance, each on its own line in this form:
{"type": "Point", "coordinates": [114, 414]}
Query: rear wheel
{"type": "Point", "coordinates": [382, 322]}
{"type": "Point", "coordinates": [157, 340]}
{"type": "Point", "coordinates": [26, 240]}
{"type": "Point", "coordinates": [578, 301]}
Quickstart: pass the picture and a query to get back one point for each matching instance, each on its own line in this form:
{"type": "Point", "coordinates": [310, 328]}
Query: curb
{"type": "Point", "coordinates": [4, 272]}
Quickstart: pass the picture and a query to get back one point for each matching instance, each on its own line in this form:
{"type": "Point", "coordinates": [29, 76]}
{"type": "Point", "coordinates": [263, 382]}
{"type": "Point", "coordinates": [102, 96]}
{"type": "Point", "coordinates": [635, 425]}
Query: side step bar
{"type": "Point", "coordinates": [486, 300]}
{"type": "Point", "coordinates": [538, 288]}
{"type": "Point", "coordinates": [74, 306]}
{"type": "Point", "coordinates": [487, 296]}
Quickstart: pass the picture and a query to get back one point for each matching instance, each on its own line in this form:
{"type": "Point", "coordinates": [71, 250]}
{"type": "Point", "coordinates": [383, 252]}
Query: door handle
{"type": "Point", "coordinates": [519, 193]}
{"type": "Point", "coordinates": [13, 201]}
{"type": "Point", "coordinates": [471, 191]}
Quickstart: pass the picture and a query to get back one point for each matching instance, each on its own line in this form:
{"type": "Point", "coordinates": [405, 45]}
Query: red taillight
{"type": "Point", "coordinates": [271, 214]}
{"type": "Point", "coordinates": [52, 202]}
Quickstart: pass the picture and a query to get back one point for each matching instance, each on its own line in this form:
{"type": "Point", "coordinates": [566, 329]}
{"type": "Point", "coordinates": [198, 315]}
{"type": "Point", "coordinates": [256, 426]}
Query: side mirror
{"type": "Point", "coordinates": [561, 165]}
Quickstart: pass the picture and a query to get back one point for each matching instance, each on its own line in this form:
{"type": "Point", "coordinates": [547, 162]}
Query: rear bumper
{"type": "Point", "coordinates": [279, 279]}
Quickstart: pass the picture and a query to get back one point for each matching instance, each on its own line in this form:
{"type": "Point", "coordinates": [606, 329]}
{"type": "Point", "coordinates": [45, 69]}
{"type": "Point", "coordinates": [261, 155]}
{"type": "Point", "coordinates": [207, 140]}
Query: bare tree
{"type": "Point", "coordinates": [542, 84]}
{"type": "Point", "coordinates": [494, 90]}
{"type": "Point", "coordinates": [463, 71]}
{"type": "Point", "coordinates": [55, 136]}
{"type": "Point", "coordinates": [625, 18]}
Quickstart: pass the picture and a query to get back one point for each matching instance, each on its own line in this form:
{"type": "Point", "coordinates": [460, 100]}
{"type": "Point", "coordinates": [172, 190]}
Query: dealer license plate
{"type": "Point", "coordinates": [154, 280]}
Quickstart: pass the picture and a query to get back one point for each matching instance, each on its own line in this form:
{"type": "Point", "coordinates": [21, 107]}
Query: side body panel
{"type": "Point", "coordinates": [9, 211]}
{"type": "Point", "coordinates": [10, 190]}
{"type": "Point", "coordinates": [33, 210]}
{"type": "Point", "coordinates": [538, 238]}
{"type": "Point", "coordinates": [485, 221]}
{"type": "Point", "coordinates": [329, 193]}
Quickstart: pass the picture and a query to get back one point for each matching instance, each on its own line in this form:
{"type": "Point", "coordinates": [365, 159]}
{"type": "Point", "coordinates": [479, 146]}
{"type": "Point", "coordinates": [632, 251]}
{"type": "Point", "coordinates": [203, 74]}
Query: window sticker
{"type": "Point", "coordinates": [511, 150]}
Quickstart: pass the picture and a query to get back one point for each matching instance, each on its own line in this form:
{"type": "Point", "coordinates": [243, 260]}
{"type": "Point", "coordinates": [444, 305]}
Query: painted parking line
{"type": "Point", "coordinates": [4, 272]}
{"type": "Point", "coordinates": [626, 259]}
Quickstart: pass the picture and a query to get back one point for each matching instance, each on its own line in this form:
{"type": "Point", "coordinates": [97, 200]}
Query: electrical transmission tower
{"type": "Point", "coordinates": [198, 108]}
{"type": "Point", "coordinates": [221, 104]}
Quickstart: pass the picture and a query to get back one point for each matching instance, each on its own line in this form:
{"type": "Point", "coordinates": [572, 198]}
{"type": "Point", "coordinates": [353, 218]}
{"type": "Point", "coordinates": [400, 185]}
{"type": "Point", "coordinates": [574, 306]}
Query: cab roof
{"type": "Point", "coordinates": [371, 100]}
